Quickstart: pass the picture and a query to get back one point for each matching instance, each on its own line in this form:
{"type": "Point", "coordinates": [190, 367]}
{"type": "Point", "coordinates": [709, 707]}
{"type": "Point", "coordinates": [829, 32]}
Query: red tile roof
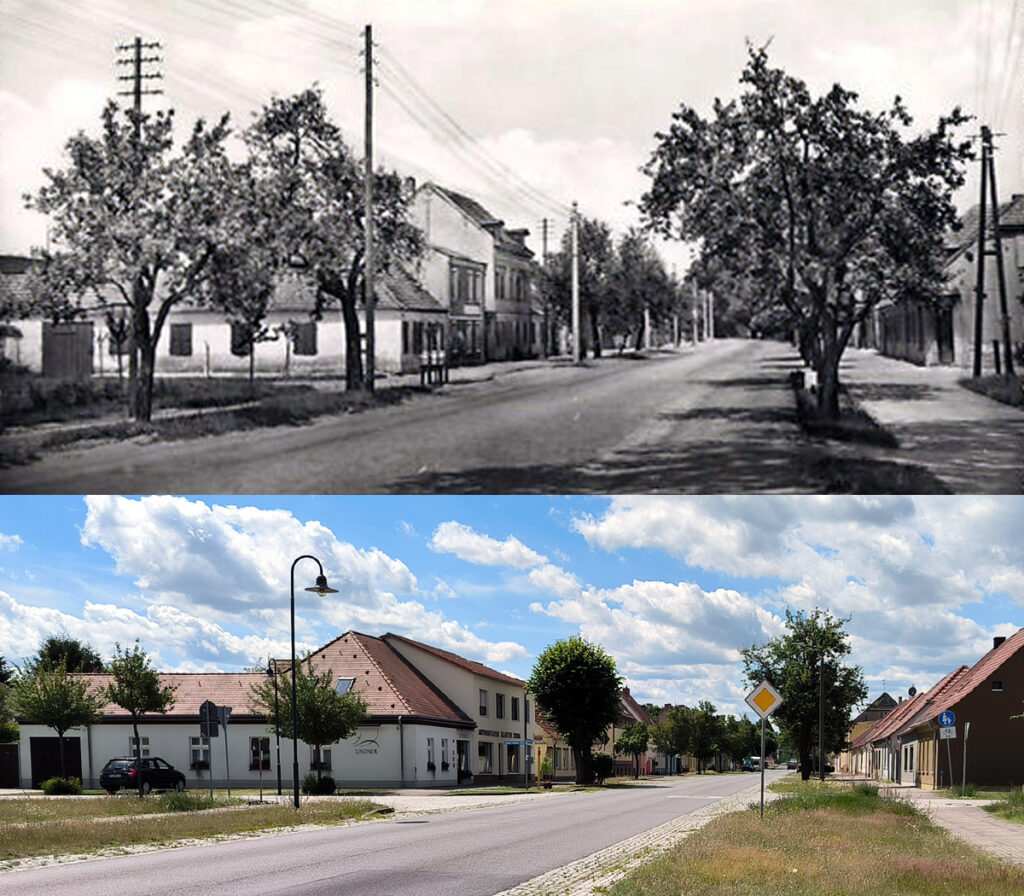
{"type": "Point", "coordinates": [633, 710]}
{"type": "Point", "coordinates": [390, 684]}
{"type": "Point", "coordinates": [456, 660]}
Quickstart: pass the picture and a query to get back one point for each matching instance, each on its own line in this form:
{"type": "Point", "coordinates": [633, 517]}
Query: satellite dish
{"type": "Point", "coordinates": [912, 691]}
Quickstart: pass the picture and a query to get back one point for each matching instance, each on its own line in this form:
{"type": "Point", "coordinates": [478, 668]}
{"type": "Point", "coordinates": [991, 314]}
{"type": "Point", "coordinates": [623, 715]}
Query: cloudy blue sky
{"type": "Point", "coordinates": [566, 93]}
{"type": "Point", "coordinates": [671, 587]}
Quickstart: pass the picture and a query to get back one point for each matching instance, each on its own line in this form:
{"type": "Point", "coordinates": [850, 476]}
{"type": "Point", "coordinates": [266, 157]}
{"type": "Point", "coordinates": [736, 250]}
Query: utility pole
{"type": "Point", "coordinates": [979, 290]}
{"type": "Point", "coordinates": [368, 209]}
{"type": "Point", "coordinates": [576, 341]}
{"type": "Point", "coordinates": [997, 251]}
{"type": "Point", "coordinates": [544, 263]}
{"type": "Point", "coordinates": [136, 60]}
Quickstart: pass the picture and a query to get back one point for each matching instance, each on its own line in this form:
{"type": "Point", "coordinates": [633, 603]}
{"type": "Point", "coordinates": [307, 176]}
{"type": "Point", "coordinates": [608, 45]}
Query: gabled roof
{"type": "Point", "coordinates": [505, 239]}
{"type": "Point", "coordinates": [396, 290]}
{"type": "Point", "coordinates": [389, 683]}
{"type": "Point", "coordinates": [191, 690]}
{"type": "Point", "coordinates": [633, 710]}
{"type": "Point", "coordinates": [1011, 218]}
{"type": "Point", "coordinates": [890, 722]}
{"type": "Point", "coordinates": [958, 686]}
{"type": "Point", "coordinates": [456, 660]}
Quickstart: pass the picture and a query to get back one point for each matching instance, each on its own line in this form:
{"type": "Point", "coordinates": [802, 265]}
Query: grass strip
{"type": "Point", "coordinates": [832, 840]}
{"type": "Point", "coordinates": [1008, 390]}
{"type": "Point", "coordinates": [1010, 805]}
{"type": "Point", "coordinates": [71, 828]}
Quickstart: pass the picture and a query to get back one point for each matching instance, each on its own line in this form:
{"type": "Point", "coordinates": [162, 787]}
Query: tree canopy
{"type": "Point", "coordinates": [633, 742]}
{"type": "Point", "coordinates": [831, 207]}
{"type": "Point", "coordinates": [576, 685]}
{"type": "Point", "coordinates": [323, 716]}
{"type": "Point", "coordinates": [813, 645]}
{"type": "Point", "coordinates": [135, 225]}
{"type": "Point", "coordinates": [64, 652]}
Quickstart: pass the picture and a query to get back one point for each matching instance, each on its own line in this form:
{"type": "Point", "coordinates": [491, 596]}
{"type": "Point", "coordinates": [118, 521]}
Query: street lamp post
{"type": "Point", "coordinates": [277, 720]}
{"type": "Point", "coordinates": [321, 587]}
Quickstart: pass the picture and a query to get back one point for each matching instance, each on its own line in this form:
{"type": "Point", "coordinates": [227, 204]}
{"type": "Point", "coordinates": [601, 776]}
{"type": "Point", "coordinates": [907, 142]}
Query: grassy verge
{"type": "Point", "coordinates": [1010, 805]}
{"type": "Point", "coordinates": [36, 827]}
{"type": "Point", "coordinates": [1008, 391]}
{"type": "Point", "coordinates": [833, 839]}
{"type": "Point", "coordinates": [842, 474]}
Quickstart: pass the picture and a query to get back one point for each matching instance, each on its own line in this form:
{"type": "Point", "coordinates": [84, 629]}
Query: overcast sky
{"type": "Point", "coordinates": [567, 94]}
{"type": "Point", "coordinates": [672, 588]}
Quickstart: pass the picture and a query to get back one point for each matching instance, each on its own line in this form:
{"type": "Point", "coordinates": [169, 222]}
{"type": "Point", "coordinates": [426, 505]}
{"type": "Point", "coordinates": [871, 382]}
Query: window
{"type": "Point", "coordinates": [304, 338]}
{"type": "Point", "coordinates": [997, 685]}
{"type": "Point", "coordinates": [431, 766]}
{"type": "Point", "coordinates": [132, 744]}
{"type": "Point", "coordinates": [465, 283]}
{"type": "Point", "coordinates": [259, 752]}
{"type": "Point", "coordinates": [344, 685]}
{"type": "Point", "coordinates": [512, 758]}
{"type": "Point", "coordinates": [485, 757]}
{"type": "Point", "coordinates": [405, 337]}
{"type": "Point", "coordinates": [483, 703]}
{"type": "Point", "coordinates": [499, 706]}
{"type": "Point", "coordinates": [444, 754]}
{"type": "Point", "coordinates": [181, 340]}
{"type": "Point", "coordinates": [239, 338]}
{"type": "Point", "coordinates": [515, 709]}
{"type": "Point", "coordinates": [323, 761]}
{"type": "Point", "coordinates": [199, 752]}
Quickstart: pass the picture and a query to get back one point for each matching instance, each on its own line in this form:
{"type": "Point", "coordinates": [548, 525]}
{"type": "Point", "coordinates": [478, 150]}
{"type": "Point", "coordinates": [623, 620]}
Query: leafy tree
{"type": "Point", "coordinates": [64, 652]}
{"type": "Point", "coordinates": [576, 685]}
{"type": "Point", "coordinates": [311, 185]}
{"type": "Point", "coordinates": [638, 283]}
{"type": "Point", "coordinates": [596, 254]}
{"type": "Point", "coordinates": [832, 207]}
{"type": "Point", "coordinates": [6, 672]}
{"type": "Point", "coordinates": [323, 716]}
{"type": "Point", "coordinates": [633, 742]}
{"type": "Point", "coordinates": [705, 730]}
{"type": "Point", "coordinates": [136, 226]}
{"type": "Point", "coordinates": [137, 689]}
{"type": "Point", "coordinates": [812, 646]}
{"type": "Point", "coordinates": [56, 698]}
{"type": "Point", "coordinates": [670, 733]}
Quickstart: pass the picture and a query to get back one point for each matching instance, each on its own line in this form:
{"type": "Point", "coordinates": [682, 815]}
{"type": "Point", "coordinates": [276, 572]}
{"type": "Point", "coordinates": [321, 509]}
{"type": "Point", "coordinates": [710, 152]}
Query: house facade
{"type": "Point", "coordinates": [909, 745]}
{"type": "Point", "coordinates": [418, 732]}
{"type": "Point", "coordinates": [483, 272]}
{"type": "Point", "coordinates": [943, 332]}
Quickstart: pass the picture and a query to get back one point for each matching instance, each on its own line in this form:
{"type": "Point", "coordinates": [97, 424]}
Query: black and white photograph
{"type": "Point", "coordinates": [516, 247]}
{"type": "Point", "coordinates": [512, 447]}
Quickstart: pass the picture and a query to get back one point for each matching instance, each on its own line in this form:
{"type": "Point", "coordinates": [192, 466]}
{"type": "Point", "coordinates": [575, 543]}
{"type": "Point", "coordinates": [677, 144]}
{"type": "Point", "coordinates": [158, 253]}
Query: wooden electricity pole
{"type": "Point", "coordinates": [576, 341]}
{"type": "Point", "coordinates": [368, 210]}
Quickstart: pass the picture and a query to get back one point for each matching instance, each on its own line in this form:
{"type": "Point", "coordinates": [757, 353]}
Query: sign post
{"type": "Point", "coordinates": [764, 700]}
{"type": "Point", "coordinates": [963, 777]}
{"type": "Point", "coordinates": [223, 715]}
{"type": "Point", "coordinates": [208, 729]}
{"type": "Point", "coordinates": [947, 732]}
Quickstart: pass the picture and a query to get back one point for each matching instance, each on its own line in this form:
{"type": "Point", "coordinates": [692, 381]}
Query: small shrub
{"type": "Point", "coordinates": [186, 801]}
{"type": "Point", "coordinates": [10, 733]}
{"type": "Point", "coordinates": [61, 787]}
{"type": "Point", "coordinates": [603, 765]}
{"type": "Point", "coordinates": [323, 787]}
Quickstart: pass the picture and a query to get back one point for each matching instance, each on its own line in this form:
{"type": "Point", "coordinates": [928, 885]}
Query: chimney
{"type": "Point", "coordinates": [625, 692]}
{"type": "Point", "coordinates": [997, 640]}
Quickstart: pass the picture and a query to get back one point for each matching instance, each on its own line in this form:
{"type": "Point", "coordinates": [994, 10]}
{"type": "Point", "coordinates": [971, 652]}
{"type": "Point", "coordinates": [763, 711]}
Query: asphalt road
{"type": "Point", "coordinates": [473, 852]}
{"type": "Point", "coordinates": [670, 422]}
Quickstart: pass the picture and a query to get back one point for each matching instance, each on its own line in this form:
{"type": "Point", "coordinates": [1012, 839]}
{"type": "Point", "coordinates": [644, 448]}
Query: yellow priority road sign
{"type": "Point", "coordinates": [764, 700]}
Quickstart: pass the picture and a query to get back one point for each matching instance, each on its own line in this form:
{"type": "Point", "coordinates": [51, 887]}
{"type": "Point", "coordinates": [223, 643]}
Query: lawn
{"type": "Point", "coordinates": [832, 839]}
{"type": "Point", "coordinates": [1010, 805]}
{"type": "Point", "coordinates": [38, 826]}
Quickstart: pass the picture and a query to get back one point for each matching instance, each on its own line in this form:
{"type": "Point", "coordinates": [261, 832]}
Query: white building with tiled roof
{"type": "Point", "coordinates": [435, 719]}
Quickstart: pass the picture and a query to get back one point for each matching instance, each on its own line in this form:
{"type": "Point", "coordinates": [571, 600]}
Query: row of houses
{"type": "Point", "coordinates": [435, 719]}
{"type": "Point", "coordinates": [473, 294]}
{"type": "Point", "coordinates": [904, 741]}
{"type": "Point", "coordinates": [944, 332]}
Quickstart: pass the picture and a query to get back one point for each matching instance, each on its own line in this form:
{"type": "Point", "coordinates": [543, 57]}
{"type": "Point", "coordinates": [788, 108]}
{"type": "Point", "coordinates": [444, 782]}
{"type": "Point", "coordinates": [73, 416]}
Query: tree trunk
{"type": "Point", "coordinates": [353, 345]}
{"type": "Point", "coordinates": [138, 753]}
{"type": "Point", "coordinates": [60, 747]}
{"type": "Point", "coordinates": [828, 373]}
{"type": "Point", "coordinates": [584, 772]}
{"type": "Point", "coordinates": [595, 332]}
{"type": "Point", "coordinates": [252, 364]}
{"type": "Point", "coordinates": [143, 391]}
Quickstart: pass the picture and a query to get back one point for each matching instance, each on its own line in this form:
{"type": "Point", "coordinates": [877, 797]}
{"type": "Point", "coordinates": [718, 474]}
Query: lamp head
{"type": "Point", "coordinates": [321, 587]}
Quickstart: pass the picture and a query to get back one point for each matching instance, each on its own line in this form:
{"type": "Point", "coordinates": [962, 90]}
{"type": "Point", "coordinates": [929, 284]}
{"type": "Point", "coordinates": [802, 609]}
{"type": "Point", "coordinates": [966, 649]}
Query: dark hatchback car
{"type": "Point", "coordinates": [156, 774]}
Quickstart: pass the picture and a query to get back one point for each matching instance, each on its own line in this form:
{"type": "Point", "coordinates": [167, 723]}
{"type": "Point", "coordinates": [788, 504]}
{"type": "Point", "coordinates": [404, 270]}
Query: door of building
{"type": "Point", "coordinates": [44, 756]}
{"type": "Point", "coordinates": [9, 772]}
{"type": "Point", "coordinates": [67, 350]}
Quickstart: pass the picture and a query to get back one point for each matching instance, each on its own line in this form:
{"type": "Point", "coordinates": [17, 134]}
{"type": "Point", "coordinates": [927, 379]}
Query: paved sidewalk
{"type": "Point", "coordinates": [974, 444]}
{"type": "Point", "coordinates": [968, 821]}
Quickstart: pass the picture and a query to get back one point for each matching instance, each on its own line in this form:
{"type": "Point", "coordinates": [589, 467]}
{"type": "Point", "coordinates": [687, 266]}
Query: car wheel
{"type": "Point", "coordinates": [179, 786]}
{"type": "Point", "coordinates": [146, 788]}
